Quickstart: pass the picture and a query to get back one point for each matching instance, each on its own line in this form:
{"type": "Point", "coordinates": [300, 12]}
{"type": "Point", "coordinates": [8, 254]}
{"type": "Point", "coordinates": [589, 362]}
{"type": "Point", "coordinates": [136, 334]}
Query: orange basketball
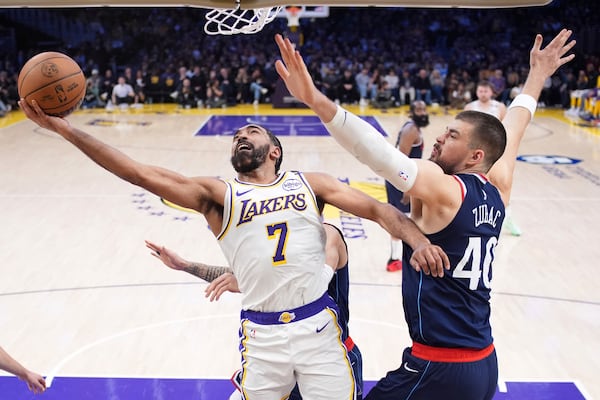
{"type": "Point", "coordinates": [55, 81]}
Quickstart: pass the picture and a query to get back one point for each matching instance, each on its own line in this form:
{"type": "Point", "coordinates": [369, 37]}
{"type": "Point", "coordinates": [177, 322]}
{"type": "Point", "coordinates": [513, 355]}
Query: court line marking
{"type": "Point", "coordinates": [364, 284]}
{"type": "Point", "coordinates": [59, 365]}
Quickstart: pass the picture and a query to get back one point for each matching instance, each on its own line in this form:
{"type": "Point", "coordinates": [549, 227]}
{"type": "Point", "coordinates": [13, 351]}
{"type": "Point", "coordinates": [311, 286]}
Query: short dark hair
{"type": "Point", "coordinates": [275, 141]}
{"type": "Point", "coordinates": [488, 134]}
{"type": "Point", "coordinates": [485, 83]}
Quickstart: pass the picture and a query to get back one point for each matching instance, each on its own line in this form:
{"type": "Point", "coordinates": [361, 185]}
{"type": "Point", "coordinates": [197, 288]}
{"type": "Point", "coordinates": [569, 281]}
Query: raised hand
{"type": "Point", "coordinates": [168, 257]}
{"type": "Point", "coordinates": [294, 73]}
{"type": "Point", "coordinates": [547, 60]}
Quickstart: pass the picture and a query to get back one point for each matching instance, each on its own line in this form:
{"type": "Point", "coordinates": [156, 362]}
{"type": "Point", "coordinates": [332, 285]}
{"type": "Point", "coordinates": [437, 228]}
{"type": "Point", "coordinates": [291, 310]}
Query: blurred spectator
{"type": "Point", "coordinates": [330, 83]}
{"type": "Point", "coordinates": [256, 87]}
{"type": "Point", "coordinates": [393, 81]}
{"type": "Point", "coordinates": [513, 80]}
{"type": "Point", "coordinates": [384, 98]}
{"type": "Point", "coordinates": [92, 97]}
{"type": "Point", "coordinates": [362, 83]}
{"type": "Point", "coordinates": [242, 86]}
{"type": "Point", "coordinates": [423, 86]}
{"type": "Point", "coordinates": [138, 87]}
{"type": "Point", "coordinates": [348, 90]}
{"type": "Point", "coordinates": [498, 83]}
{"type": "Point", "coordinates": [227, 86]}
{"type": "Point", "coordinates": [198, 81]}
{"type": "Point", "coordinates": [460, 97]}
{"type": "Point", "coordinates": [407, 88]}
{"type": "Point", "coordinates": [214, 94]}
{"type": "Point", "coordinates": [4, 109]}
{"type": "Point", "coordinates": [106, 87]}
{"type": "Point", "coordinates": [122, 94]}
{"type": "Point", "coordinates": [437, 87]}
{"type": "Point", "coordinates": [185, 95]}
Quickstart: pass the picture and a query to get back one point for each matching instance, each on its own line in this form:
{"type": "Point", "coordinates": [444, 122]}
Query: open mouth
{"type": "Point", "coordinates": [244, 146]}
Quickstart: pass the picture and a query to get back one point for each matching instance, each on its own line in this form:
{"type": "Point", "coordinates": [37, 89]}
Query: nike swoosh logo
{"type": "Point", "coordinates": [323, 327]}
{"type": "Point", "coordinates": [238, 193]}
{"type": "Point", "coordinates": [406, 367]}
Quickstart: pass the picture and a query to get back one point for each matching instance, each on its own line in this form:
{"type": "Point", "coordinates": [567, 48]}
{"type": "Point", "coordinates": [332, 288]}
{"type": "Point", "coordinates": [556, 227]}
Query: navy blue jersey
{"type": "Point", "coordinates": [339, 288]}
{"type": "Point", "coordinates": [394, 195]}
{"type": "Point", "coordinates": [454, 311]}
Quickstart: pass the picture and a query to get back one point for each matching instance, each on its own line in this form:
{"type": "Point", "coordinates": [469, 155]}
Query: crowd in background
{"type": "Point", "coordinates": [383, 57]}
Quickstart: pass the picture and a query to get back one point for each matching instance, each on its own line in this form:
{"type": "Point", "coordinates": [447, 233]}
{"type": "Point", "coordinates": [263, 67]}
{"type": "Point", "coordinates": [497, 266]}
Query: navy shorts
{"type": "Point", "coordinates": [419, 379]}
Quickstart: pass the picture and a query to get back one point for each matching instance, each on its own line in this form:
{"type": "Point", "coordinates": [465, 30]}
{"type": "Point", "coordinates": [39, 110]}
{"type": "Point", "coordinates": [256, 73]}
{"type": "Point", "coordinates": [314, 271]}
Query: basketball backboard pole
{"type": "Point", "coordinates": [254, 4]}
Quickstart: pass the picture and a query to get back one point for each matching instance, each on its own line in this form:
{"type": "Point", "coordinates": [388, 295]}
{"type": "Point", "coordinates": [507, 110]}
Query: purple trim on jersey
{"type": "Point", "coordinates": [293, 315]}
{"type": "Point", "coordinates": [229, 216]}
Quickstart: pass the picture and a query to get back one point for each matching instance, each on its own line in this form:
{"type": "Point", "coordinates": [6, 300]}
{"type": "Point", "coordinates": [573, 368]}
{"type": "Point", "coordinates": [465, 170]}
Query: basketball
{"type": "Point", "coordinates": [55, 81]}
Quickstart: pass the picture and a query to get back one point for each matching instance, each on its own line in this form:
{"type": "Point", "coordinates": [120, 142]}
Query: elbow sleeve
{"type": "Point", "coordinates": [368, 146]}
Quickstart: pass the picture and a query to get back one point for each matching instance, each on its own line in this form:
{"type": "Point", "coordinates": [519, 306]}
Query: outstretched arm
{"type": "Point", "coordinates": [35, 382]}
{"type": "Point", "coordinates": [201, 194]}
{"type": "Point", "coordinates": [172, 260]}
{"type": "Point", "coordinates": [221, 279]}
{"type": "Point", "coordinates": [362, 140]}
{"type": "Point", "coordinates": [430, 258]}
{"type": "Point", "coordinates": [543, 64]}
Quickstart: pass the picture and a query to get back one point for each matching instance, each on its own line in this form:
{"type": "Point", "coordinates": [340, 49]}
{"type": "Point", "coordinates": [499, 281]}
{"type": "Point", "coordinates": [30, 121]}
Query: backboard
{"type": "Point", "coordinates": [254, 4]}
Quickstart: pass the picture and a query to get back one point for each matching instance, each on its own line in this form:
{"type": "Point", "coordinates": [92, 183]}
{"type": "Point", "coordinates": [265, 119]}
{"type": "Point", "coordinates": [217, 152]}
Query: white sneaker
{"type": "Point", "coordinates": [264, 90]}
{"type": "Point", "coordinates": [255, 102]}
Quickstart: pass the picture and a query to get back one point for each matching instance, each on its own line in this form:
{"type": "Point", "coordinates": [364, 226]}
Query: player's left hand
{"type": "Point", "coordinates": [220, 285]}
{"type": "Point", "coordinates": [37, 115]}
{"type": "Point", "coordinates": [430, 259]}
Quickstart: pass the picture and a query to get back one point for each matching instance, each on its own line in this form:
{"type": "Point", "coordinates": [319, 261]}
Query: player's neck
{"type": "Point", "coordinates": [475, 169]}
{"type": "Point", "coordinates": [258, 176]}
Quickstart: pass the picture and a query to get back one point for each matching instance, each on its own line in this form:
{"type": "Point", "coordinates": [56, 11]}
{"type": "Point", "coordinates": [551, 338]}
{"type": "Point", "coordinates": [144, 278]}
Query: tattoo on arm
{"type": "Point", "coordinates": [206, 272]}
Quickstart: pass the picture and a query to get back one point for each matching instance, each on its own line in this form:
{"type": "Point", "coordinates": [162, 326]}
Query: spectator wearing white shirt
{"type": "Point", "coordinates": [122, 92]}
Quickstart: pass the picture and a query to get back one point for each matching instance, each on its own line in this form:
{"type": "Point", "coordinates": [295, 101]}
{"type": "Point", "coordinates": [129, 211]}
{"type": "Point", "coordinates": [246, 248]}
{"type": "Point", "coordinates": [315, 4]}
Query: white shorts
{"type": "Point", "coordinates": [303, 345]}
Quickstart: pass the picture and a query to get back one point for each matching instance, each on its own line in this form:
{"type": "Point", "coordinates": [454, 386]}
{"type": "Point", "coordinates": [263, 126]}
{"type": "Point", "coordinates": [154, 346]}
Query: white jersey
{"type": "Point", "coordinates": [493, 108]}
{"type": "Point", "coordinates": [274, 241]}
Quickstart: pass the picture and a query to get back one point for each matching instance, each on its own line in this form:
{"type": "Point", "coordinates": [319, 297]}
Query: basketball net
{"type": "Point", "coordinates": [235, 21]}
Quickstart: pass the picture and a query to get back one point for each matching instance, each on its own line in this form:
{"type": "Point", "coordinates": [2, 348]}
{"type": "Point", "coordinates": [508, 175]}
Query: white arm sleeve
{"type": "Point", "coordinates": [368, 146]}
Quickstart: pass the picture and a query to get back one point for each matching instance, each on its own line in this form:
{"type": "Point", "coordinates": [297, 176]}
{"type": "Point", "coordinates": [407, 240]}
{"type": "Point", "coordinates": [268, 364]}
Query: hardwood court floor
{"type": "Point", "coordinates": [81, 296]}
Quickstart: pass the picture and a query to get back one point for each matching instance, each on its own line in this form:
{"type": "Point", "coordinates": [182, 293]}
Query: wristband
{"type": "Point", "coordinates": [526, 101]}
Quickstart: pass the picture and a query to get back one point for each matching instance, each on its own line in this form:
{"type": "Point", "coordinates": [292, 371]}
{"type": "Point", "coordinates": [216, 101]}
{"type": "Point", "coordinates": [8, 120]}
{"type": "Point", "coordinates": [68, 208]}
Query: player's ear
{"type": "Point", "coordinates": [276, 152]}
{"type": "Point", "coordinates": [477, 156]}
